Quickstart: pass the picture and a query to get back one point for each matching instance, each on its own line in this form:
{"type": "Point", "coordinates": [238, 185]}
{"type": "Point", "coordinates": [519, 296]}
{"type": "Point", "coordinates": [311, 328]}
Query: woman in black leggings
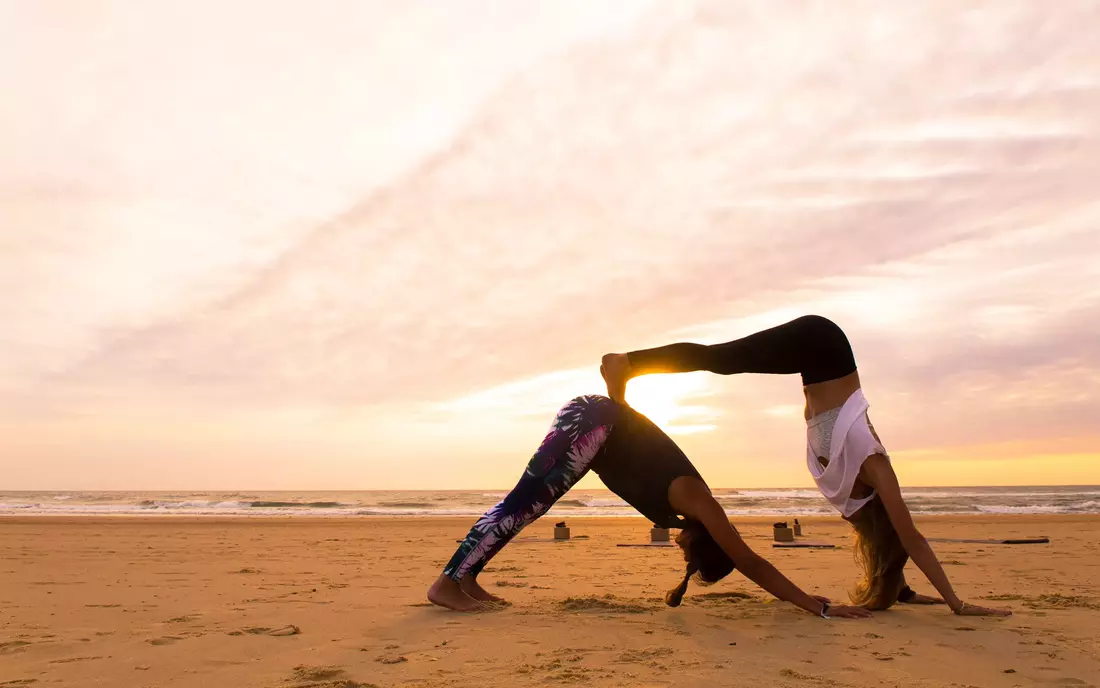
{"type": "Point", "coordinates": [641, 464]}
{"type": "Point", "coordinates": [844, 453]}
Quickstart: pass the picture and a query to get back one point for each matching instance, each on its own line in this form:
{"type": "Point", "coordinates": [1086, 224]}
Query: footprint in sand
{"type": "Point", "coordinates": [725, 596]}
{"type": "Point", "coordinates": [607, 603]}
{"type": "Point", "coordinates": [69, 660]}
{"type": "Point", "coordinates": [324, 677]}
{"type": "Point", "coordinates": [647, 656]}
{"type": "Point", "coordinates": [316, 673]}
{"type": "Point", "coordinates": [791, 673]}
{"type": "Point", "coordinates": [263, 630]}
{"type": "Point", "coordinates": [556, 671]}
{"type": "Point", "coordinates": [392, 659]}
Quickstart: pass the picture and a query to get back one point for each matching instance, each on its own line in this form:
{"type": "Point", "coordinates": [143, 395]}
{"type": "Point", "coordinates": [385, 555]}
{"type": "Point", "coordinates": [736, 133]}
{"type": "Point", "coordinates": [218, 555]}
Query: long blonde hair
{"type": "Point", "coordinates": [881, 555]}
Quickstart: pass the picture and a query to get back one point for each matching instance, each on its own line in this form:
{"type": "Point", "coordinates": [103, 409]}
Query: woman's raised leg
{"type": "Point", "coordinates": [812, 346]}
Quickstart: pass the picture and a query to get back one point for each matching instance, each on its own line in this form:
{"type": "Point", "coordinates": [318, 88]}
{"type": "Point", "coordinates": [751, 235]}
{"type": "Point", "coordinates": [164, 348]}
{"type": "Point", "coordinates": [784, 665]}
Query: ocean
{"type": "Point", "coordinates": [1075, 499]}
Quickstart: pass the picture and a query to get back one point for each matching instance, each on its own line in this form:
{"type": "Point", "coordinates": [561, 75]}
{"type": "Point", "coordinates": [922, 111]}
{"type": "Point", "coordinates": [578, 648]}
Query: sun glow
{"type": "Point", "coordinates": [662, 398]}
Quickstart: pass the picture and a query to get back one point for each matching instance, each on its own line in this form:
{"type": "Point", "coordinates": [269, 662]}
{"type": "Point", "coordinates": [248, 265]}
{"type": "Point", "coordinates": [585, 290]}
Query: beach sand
{"type": "Point", "coordinates": [317, 602]}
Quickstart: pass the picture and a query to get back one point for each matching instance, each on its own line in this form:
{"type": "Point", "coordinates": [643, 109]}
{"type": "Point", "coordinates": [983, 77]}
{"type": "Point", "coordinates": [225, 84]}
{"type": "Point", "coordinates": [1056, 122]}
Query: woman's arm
{"type": "Point", "coordinates": [879, 474]}
{"type": "Point", "coordinates": [695, 501]}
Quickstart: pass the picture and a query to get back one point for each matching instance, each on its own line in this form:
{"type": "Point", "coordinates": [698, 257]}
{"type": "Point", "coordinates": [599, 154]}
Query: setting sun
{"type": "Point", "coordinates": [664, 400]}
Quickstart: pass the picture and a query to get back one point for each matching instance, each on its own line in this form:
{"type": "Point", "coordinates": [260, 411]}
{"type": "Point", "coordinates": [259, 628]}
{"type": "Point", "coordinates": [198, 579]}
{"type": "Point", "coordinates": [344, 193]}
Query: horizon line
{"type": "Point", "coordinates": [495, 489]}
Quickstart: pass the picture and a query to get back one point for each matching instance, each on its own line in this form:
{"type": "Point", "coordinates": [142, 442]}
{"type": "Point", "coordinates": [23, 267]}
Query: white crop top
{"type": "Point", "coordinates": [850, 444]}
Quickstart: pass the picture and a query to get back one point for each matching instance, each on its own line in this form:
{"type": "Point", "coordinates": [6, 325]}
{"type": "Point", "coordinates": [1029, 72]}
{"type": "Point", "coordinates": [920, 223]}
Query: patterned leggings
{"type": "Point", "coordinates": [565, 455]}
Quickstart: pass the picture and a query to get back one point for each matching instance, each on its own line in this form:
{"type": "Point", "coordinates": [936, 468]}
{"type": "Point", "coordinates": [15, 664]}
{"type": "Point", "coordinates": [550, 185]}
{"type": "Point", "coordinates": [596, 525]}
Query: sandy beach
{"type": "Point", "coordinates": [312, 602]}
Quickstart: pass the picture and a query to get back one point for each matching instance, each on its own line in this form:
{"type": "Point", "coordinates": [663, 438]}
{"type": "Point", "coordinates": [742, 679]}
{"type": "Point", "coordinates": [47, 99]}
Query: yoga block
{"type": "Point", "coordinates": [658, 534]}
{"type": "Point", "coordinates": [561, 533]}
{"type": "Point", "coordinates": [784, 534]}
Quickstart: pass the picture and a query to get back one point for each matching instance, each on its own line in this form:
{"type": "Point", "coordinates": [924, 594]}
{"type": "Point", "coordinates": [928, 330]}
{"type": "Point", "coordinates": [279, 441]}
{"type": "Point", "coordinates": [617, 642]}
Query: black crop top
{"type": "Point", "coordinates": [638, 462]}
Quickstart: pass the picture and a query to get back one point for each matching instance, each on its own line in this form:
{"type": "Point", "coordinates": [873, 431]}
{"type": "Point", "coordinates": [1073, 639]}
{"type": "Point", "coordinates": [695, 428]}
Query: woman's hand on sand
{"type": "Point", "coordinates": [974, 610]}
{"type": "Point", "coordinates": [842, 611]}
{"type": "Point", "coordinates": [918, 598]}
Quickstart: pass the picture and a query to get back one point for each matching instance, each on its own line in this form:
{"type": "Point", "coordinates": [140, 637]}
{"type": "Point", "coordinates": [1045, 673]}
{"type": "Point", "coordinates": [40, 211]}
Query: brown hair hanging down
{"type": "Point", "coordinates": [674, 597]}
{"type": "Point", "coordinates": [706, 562]}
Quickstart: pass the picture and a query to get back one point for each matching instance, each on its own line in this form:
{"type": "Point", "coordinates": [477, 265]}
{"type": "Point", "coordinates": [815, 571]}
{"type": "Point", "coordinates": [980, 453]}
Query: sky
{"type": "Point", "coordinates": [376, 245]}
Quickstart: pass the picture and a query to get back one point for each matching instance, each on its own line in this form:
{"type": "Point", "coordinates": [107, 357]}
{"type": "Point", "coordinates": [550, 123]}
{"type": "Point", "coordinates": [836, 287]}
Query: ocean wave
{"type": "Point", "coordinates": [295, 505]}
{"type": "Point", "coordinates": [74, 509]}
{"type": "Point", "coordinates": [196, 504]}
{"type": "Point", "coordinates": [571, 502]}
{"type": "Point", "coordinates": [579, 503]}
{"type": "Point", "coordinates": [780, 494]}
{"type": "Point", "coordinates": [781, 511]}
{"type": "Point", "coordinates": [391, 511]}
{"type": "Point", "coordinates": [971, 494]}
{"type": "Point", "coordinates": [602, 502]}
{"type": "Point", "coordinates": [751, 501]}
{"type": "Point", "coordinates": [1033, 509]}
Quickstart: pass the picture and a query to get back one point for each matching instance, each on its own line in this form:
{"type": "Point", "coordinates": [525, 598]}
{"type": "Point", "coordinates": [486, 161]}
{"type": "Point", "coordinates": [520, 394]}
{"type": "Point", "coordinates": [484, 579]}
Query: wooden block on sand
{"type": "Point", "coordinates": [804, 545]}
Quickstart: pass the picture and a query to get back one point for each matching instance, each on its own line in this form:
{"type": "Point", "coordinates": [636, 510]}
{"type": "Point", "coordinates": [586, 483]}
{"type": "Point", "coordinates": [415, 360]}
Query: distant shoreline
{"type": "Point", "coordinates": [372, 490]}
{"type": "Point", "coordinates": [738, 503]}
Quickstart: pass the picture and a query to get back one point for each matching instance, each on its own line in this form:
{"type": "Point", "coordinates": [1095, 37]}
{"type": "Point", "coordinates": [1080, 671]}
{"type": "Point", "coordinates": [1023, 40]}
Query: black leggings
{"type": "Point", "coordinates": [811, 345]}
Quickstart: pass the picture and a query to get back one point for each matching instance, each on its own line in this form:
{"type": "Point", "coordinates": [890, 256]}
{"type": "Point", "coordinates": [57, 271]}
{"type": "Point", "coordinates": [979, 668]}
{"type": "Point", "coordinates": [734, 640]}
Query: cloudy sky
{"type": "Point", "coordinates": [345, 245]}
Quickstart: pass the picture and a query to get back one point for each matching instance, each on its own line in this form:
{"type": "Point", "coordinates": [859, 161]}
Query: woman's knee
{"type": "Point", "coordinates": [594, 407]}
{"type": "Point", "coordinates": [588, 400]}
{"type": "Point", "coordinates": [825, 335]}
{"type": "Point", "coordinates": [819, 326]}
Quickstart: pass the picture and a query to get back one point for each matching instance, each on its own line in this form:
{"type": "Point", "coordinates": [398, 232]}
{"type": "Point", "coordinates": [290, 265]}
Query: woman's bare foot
{"type": "Point", "coordinates": [472, 588]}
{"type": "Point", "coordinates": [615, 369]}
{"type": "Point", "coordinates": [447, 593]}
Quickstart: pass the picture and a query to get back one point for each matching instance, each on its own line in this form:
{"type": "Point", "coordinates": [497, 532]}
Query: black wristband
{"type": "Point", "coordinates": [906, 594]}
{"type": "Point", "coordinates": [824, 610]}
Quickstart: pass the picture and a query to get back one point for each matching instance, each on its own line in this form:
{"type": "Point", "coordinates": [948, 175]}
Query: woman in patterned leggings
{"type": "Point", "coordinates": [641, 464]}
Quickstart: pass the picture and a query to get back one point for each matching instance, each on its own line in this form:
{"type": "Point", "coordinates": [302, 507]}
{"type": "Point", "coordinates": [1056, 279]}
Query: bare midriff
{"type": "Point", "coordinates": [831, 394]}
{"type": "Point", "coordinates": [826, 396]}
